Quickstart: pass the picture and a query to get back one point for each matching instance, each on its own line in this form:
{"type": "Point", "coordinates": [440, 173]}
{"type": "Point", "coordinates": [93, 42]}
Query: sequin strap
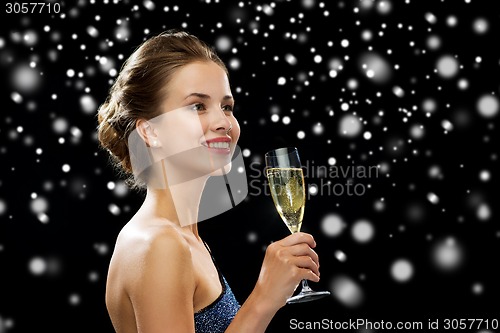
{"type": "Point", "coordinates": [217, 316]}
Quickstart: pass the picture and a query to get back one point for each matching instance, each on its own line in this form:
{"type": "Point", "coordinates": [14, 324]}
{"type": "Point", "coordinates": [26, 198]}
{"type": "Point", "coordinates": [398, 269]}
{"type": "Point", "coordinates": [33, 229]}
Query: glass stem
{"type": "Point", "coordinates": [305, 287]}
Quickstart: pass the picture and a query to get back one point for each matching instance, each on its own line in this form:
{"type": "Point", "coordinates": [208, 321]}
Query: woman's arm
{"type": "Point", "coordinates": [162, 290]}
{"type": "Point", "coordinates": [286, 263]}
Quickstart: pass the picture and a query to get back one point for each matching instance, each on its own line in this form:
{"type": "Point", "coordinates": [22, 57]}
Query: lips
{"type": "Point", "coordinates": [219, 145]}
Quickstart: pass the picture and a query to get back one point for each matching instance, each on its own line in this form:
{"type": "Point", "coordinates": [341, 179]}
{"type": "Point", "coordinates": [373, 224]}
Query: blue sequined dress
{"type": "Point", "coordinates": [216, 317]}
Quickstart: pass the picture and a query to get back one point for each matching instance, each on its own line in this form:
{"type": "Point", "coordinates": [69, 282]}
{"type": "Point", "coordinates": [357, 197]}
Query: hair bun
{"type": "Point", "coordinates": [111, 135]}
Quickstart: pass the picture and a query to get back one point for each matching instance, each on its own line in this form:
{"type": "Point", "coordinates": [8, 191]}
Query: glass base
{"type": "Point", "coordinates": [307, 296]}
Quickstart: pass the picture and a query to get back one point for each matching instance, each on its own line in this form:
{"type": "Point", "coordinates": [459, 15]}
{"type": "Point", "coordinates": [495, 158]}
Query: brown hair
{"type": "Point", "coordinates": [140, 88]}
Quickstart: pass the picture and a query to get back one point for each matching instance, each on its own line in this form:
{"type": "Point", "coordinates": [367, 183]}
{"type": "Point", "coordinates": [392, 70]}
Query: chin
{"type": "Point", "coordinates": [223, 170]}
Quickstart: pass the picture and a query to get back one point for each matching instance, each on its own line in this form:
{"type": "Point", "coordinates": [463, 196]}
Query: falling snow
{"type": "Point", "coordinates": [407, 88]}
{"type": "Point", "coordinates": [348, 292]}
{"type": "Point", "coordinates": [362, 231]}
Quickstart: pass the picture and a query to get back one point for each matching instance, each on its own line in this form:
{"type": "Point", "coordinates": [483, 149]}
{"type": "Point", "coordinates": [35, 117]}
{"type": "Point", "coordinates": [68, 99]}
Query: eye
{"type": "Point", "coordinates": [199, 107]}
{"type": "Point", "coordinates": [227, 108]}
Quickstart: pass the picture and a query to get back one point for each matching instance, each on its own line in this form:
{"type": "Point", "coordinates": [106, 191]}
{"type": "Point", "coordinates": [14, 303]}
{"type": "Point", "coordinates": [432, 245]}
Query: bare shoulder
{"type": "Point", "coordinates": [167, 244]}
{"type": "Point", "coordinates": [153, 238]}
{"type": "Point", "coordinates": [144, 247]}
{"type": "Point", "coordinates": [151, 279]}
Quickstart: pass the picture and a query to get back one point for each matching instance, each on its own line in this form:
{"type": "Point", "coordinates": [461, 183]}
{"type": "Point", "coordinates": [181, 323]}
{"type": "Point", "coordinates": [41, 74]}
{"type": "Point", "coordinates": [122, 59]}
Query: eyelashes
{"type": "Point", "coordinates": [200, 107]}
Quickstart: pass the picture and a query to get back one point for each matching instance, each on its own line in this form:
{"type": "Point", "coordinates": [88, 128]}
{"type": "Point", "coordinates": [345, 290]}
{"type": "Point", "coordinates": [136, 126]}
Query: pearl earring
{"type": "Point", "coordinates": [155, 143]}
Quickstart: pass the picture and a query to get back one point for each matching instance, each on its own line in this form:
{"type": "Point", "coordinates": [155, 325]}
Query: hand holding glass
{"type": "Point", "coordinates": [286, 182]}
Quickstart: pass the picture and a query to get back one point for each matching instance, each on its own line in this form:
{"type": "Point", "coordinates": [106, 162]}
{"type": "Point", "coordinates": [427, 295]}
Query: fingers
{"type": "Point", "coordinates": [304, 250]}
{"type": "Point", "coordinates": [297, 238]}
{"type": "Point", "coordinates": [306, 263]}
{"type": "Point", "coordinates": [309, 275]}
{"type": "Point", "coordinates": [299, 247]}
{"type": "Point", "coordinates": [296, 252]}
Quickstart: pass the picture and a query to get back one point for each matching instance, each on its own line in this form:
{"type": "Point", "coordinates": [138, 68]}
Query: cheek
{"type": "Point", "coordinates": [195, 127]}
{"type": "Point", "coordinates": [181, 134]}
{"type": "Point", "coordinates": [204, 125]}
{"type": "Point", "coordinates": [235, 131]}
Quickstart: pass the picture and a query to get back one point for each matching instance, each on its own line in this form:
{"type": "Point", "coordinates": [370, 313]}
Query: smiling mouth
{"type": "Point", "coordinates": [218, 145]}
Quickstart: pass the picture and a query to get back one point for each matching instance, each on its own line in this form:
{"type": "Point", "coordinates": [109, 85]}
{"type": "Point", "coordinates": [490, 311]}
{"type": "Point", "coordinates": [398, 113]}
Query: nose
{"type": "Point", "coordinates": [221, 122]}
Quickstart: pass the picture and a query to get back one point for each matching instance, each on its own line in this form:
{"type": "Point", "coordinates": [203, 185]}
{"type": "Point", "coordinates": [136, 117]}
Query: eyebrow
{"type": "Point", "coordinates": [205, 96]}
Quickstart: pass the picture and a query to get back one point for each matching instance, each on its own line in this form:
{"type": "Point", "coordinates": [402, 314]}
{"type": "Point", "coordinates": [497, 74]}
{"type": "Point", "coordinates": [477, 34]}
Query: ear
{"type": "Point", "coordinates": [147, 133]}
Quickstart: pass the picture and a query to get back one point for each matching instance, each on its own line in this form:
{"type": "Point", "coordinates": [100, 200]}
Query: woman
{"type": "Point", "coordinates": [173, 99]}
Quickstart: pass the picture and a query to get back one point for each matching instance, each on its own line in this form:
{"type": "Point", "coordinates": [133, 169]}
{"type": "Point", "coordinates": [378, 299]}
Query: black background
{"type": "Point", "coordinates": [76, 241]}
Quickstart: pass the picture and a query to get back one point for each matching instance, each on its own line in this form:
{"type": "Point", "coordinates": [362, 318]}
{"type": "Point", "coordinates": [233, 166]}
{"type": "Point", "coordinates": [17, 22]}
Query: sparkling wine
{"type": "Point", "coordinates": [286, 181]}
{"type": "Point", "coordinates": [288, 193]}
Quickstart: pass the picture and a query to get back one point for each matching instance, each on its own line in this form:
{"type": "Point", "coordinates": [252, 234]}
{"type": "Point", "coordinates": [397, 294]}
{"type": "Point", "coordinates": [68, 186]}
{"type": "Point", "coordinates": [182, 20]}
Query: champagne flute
{"type": "Point", "coordinates": [286, 182]}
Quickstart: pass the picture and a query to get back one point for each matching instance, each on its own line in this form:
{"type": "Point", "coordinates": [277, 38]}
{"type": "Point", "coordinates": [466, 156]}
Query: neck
{"type": "Point", "coordinates": [177, 203]}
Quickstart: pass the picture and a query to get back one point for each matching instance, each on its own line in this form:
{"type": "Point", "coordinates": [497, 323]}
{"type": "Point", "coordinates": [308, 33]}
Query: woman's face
{"type": "Point", "coordinates": [197, 130]}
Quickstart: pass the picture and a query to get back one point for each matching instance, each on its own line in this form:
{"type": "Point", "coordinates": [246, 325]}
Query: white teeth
{"type": "Point", "coordinates": [219, 145]}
